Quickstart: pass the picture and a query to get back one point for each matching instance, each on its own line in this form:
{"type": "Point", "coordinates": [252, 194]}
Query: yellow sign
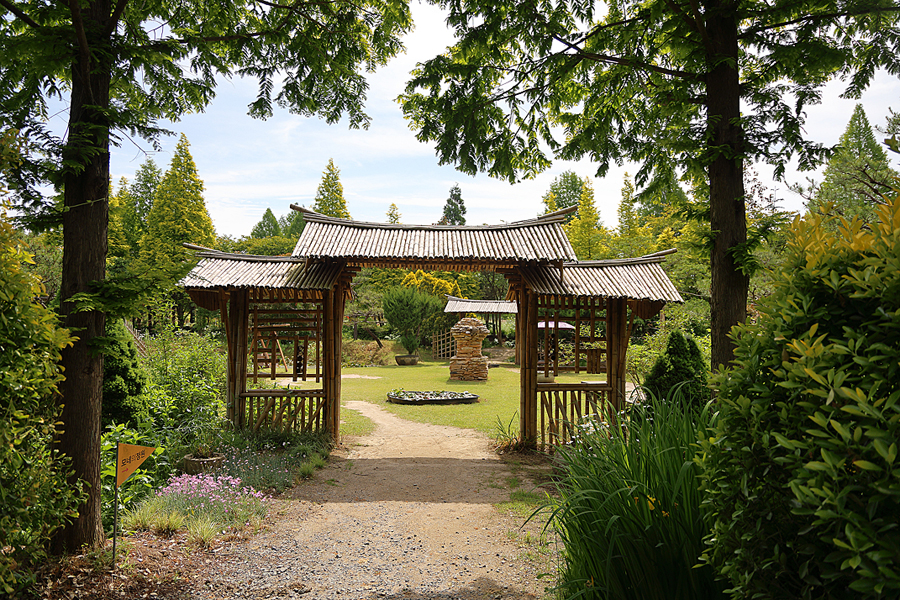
{"type": "Point", "coordinates": [129, 459]}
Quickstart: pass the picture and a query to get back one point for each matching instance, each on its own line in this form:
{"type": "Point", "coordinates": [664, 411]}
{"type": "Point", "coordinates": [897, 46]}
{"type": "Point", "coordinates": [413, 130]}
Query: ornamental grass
{"type": "Point", "coordinates": [628, 510]}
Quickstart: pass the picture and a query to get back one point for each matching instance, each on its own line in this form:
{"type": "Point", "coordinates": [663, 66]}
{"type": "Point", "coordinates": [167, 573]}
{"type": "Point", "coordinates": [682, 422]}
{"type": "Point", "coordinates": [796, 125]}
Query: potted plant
{"type": "Point", "coordinates": [205, 455]}
{"type": "Point", "coordinates": [407, 310]}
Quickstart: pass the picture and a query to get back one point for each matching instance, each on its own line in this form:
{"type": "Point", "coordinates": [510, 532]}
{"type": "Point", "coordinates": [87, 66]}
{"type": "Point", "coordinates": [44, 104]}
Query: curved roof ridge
{"type": "Point", "coordinates": [558, 216]}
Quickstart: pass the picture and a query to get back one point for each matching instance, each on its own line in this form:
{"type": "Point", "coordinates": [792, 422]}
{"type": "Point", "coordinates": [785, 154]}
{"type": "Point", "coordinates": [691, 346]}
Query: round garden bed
{"type": "Point", "coordinates": [431, 397]}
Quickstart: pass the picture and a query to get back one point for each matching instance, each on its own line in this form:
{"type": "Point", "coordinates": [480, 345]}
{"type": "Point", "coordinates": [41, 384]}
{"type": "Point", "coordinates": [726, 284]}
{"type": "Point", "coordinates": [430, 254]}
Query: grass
{"type": "Point", "coordinates": [498, 396]}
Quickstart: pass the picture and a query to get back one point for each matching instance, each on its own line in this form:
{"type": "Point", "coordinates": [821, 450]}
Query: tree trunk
{"type": "Point", "coordinates": [726, 178]}
{"type": "Point", "coordinates": [84, 262]}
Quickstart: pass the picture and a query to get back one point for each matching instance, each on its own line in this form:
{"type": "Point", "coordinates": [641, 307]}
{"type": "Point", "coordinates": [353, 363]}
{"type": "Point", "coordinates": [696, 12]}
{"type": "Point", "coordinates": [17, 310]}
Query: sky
{"type": "Point", "coordinates": [249, 165]}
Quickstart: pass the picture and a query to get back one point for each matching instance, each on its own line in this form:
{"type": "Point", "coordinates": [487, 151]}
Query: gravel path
{"type": "Point", "coordinates": [407, 512]}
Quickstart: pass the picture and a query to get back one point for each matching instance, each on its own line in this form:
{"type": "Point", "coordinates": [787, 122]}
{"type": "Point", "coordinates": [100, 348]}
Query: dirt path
{"type": "Point", "coordinates": [407, 512]}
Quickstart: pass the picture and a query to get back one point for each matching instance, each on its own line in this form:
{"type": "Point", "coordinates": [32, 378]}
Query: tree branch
{"type": "Point", "coordinates": [84, 54]}
{"type": "Point", "coordinates": [605, 58]}
{"type": "Point", "coordinates": [19, 13]}
{"type": "Point", "coordinates": [815, 18]}
{"type": "Point", "coordinates": [114, 18]}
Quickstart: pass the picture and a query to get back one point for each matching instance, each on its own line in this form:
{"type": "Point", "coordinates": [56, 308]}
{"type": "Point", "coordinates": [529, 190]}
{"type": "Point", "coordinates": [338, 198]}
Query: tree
{"type": "Point", "coordinates": [138, 205]}
{"type": "Point", "coordinates": [565, 191]}
{"type": "Point", "coordinates": [292, 224]}
{"type": "Point", "coordinates": [583, 230]}
{"type": "Point", "coordinates": [330, 195]}
{"type": "Point", "coordinates": [124, 66]}
{"type": "Point", "coordinates": [393, 214]}
{"type": "Point", "coordinates": [178, 215]}
{"type": "Point", "coordinates": [858, 175]}
{"type": "Point", "coordinates": [267, 227]}
{"type": "Point", "coordinates": [454, 209]}
{"type": "Point", "coordinates": [705, 85]}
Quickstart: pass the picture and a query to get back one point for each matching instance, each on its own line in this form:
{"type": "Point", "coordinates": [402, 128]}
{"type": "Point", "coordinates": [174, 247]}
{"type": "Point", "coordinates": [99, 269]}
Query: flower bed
{"type": "Point", "coordinates": [401, 396]}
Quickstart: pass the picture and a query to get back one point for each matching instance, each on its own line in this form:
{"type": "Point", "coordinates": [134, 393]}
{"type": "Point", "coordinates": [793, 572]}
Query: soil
{"type": "Point", "coordinates": [410, 511]}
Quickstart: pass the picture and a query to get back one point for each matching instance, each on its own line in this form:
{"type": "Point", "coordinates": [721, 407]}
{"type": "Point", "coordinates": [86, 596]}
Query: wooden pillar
{"type": "Point", "coordinates": [617, 345]}
{"type": "Point", "coordinates": [528, 367]}
{"type": "Point", "coordinates": [334, 314]}
{"type": "Point", "coordinates": [237, 333]}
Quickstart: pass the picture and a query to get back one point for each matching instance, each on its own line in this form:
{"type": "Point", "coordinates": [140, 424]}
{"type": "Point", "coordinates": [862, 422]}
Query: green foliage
{"type": "Point", "coordinates": [691, 318]}
{"type": "Point", "coordinates": [629, 509]}
{"type": "Point", "coordinates": [178, 215]}
{"type": "Point", "coordinates": [585, 230]}
{"type": "Point", "coordinates": [292, 224]}
{"type": "Point", "coordinates": [393, 214]}
{"type": "Point", "coordinates": [330, 194]}
{"type": "Point", "coordinates": [267, 227]}
{"type": "Point", "coordinates": [565, 191]}
{"type": "Point", "coordinates": [35, 498]}
{"type": "Point", "coordinates": [681, 367]}
{"type": "Point", "coordinates": [454, 209]}
{"type": "Point", "coordinates": [124, 380]}
{"type": "Point", "coordinates": [801, 470]}
{"type": "Point", "coordinates": [278, 245]}
{"type": "Point", "coordinates": [408, 310]}
{"type": "Point", "coordinates": [857, 175]}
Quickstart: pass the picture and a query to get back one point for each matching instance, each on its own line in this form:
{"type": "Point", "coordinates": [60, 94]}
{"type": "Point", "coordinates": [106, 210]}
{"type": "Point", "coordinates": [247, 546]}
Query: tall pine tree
{"type": "Point", "coordinates": [857, 175]}
{"type": "Point", "coordinates": [178, 215]}
{"type": "Point", "coordinates": [393, 214]}
{"type": "Point", "coordinates": [584, 229]}
{"type": "Point", "coordinates": [454, 209]}
{"type": "Point", "coordinates": [267, 227]}
{"type": "Point", "coordinates": [565, 191]}
{"type": "Point", "coordinates": [330, 195]}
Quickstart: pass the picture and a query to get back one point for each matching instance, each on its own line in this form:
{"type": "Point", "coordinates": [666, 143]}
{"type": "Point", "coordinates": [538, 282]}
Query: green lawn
{"type": "Point", "coordinates": [498, 396]}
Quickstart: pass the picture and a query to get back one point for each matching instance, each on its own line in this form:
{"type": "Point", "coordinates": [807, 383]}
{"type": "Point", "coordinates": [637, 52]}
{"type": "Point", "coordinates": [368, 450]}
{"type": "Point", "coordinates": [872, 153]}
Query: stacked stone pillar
{"type": "Point", "coordinates": [468, 364]}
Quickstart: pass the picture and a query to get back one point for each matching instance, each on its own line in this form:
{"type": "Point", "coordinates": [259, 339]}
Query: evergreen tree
{"type": "Point", "coordinates": [124, 380]}
{"type": "Point", "coordinates": [393, 214]}
{"type": "Point", "coordinates": [139, 202]}
{"type": "Point", "coordinates": [454, 209]}
{"type": "Point", "coordinates": [565, 191]}
{"type": "Point", "coordinates": [858, 174]}
{"type": "Point", "coordinates": [292, 224]}
{"type": "Point", "coordinates": [117, 234]}
{"type": "Point", "coordinates": [330, 195]}
{"type": "Point", "coordinates": [681, 369]}
{"type": "Point", "coordinates": [178, 215]}
{"type": "Point", "coordinates": [627, 215]}
{"type": "Point", "coordinates": [583, 230]}
{"type": "Point", "coordinates": [267, 227]}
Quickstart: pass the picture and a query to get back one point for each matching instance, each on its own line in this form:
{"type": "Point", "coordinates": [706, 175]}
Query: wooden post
{"type": "Point", "coordinates": [528, 368]}
{"type": "Point", "coordinates": [237, 334]}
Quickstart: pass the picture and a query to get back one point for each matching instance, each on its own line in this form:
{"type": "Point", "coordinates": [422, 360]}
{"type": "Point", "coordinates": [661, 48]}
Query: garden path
{"type": "Point", "coordinates": [406, 512]}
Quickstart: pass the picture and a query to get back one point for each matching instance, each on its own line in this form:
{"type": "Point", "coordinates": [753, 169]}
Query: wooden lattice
{"type": "Point", "coordinates": [286, 340]}
{"type": "Point", "coordinates": [443, 345]}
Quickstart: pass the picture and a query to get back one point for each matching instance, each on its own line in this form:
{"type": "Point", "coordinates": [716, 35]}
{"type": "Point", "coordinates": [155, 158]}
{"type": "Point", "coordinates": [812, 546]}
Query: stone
{"type": "Point", "coordinates": [468, 364]}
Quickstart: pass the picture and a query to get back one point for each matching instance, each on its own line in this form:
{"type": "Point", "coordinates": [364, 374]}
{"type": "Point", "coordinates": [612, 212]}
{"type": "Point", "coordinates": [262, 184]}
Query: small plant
{"type": "Point", "coordinates": [506, 436]}
{"type": "Point", "coordinates": [202, 531]}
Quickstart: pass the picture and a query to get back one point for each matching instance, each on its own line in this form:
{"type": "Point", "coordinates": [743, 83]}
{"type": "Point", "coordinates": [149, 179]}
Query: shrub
{"type": "Point", "coordinates": [681, 365]}
{"type": "Point", "coordinates": [409, 312]}
{"type": "Point", "coordinates": [360, 353]}
{"type": "Point", "coordinates": [124, 380]}
{"type": "Point", "coordinates": [802, 472]}
{"type": "Point", "coordinates": [35, 498]}
{"type": "Point", "coordinates": [629, 510]}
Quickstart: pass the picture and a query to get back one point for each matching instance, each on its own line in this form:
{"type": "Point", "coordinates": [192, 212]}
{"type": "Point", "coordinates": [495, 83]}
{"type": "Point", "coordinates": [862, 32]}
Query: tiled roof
{"type": "Point", "coordinates": [461, 305]}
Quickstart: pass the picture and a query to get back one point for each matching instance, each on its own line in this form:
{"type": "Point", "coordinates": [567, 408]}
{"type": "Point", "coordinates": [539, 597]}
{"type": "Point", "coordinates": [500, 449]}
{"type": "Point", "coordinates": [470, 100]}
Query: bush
{"type": "Point", "coordinates": [681, 365]}
{"type": "Point", "coordinates": [802, 472]}
{"type": "Point", "coordinates": [409, 312]}
{"type": "Point", "coordinates": [124, 380]}
{"type": "Point", "coordinates": [629, 510]}
{"type": "Point", "coordinates": [35, 498]}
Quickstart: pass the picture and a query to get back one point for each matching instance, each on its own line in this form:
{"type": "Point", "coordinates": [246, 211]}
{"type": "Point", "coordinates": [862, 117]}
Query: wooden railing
{"type": "Point", "coordinates": [563, 407]}
{"type": "Point", "coordinates": [284, 410]}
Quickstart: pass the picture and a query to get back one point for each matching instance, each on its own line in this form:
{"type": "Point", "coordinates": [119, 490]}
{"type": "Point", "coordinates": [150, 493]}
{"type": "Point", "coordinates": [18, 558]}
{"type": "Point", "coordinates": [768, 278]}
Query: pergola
{"type": "Point", "coordinates": [299, 301]}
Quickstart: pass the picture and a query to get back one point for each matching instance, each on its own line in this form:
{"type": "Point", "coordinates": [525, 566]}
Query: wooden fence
{"type": "Point", "coordinates": [284, 410]}
{"type": "Point", "coordinates": [563, 407]}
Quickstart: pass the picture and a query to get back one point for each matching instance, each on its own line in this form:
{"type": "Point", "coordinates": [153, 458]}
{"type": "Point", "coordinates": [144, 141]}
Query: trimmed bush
{"type": "Point", "coordinates": [124, 381]}
{"type": "Point", "coordinates": [681, 366]}
{"type": "Point", "coordinates": [802, 476]}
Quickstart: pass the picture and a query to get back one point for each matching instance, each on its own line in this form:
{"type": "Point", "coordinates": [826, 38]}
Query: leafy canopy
{"type": "Point", "coordinates": [330, 194]}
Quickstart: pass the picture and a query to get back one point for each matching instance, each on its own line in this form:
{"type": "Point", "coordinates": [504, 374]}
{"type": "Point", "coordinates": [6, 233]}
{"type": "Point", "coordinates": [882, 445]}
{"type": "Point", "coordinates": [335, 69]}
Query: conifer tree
{"type": "Point", "coordinates": [292, 224]}
{"type": "Point", "coordinates": [393, 214]}
{"type": "Point", "coordinates": [267, 227]}
{"type": "Point", "coordinates": [178, 215]}
{"type": "Point", "coordinates": [117, 235]}
{"type": "Point", "coordinates": [858, 174]}
{"type": "Point", "coordinates": [330, 195]}
{"type": "Point", "coordinates": [583, 229]}
{"type": "Point", "coordinates": [454, 209]}
{"type": "Point", "coordinates": [140, 200]}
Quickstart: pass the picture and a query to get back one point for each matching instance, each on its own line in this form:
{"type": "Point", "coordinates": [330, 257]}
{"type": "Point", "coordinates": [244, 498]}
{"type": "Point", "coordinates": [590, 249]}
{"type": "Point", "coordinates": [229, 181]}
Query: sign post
{"type": "Point", "coordinates": [128, 459]}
